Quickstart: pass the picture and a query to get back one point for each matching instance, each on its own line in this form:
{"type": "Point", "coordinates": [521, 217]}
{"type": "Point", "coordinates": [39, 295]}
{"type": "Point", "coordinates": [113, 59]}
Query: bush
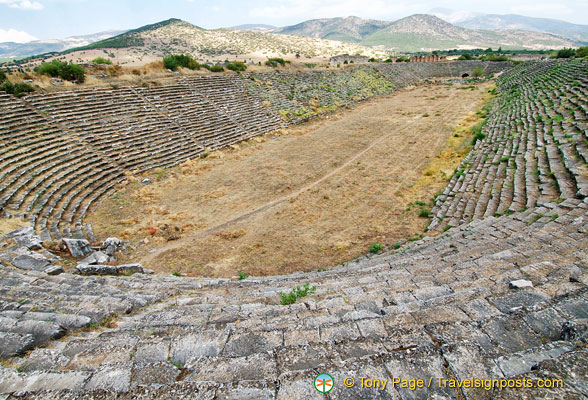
{"type": "Point", "coordinates": [566, 53]}
{"type": "Point", "coordinates": [69, 72]}
{"type": "Point", "coordinates": [16, 89]}
{"type": "Point", "coordinates": [2, 76]}
{"type": "Point", "coordinates": [477, 72]}
{"type": "Point", "coordinates": [50, 69]}
{"type": "Point", "coordinates": [101, 60]}
{"type": "Point", "coordinates": [465, 56]}
{"type": "Point", "coordinates": [375, 248]}
{"type": "Point", "coordinates": [72, 72]}
{"type": "Point", "coordinates": [215, 68]}
{"type": "Point", "coordinates": [273, 62]}
{"type": "Point", "coordinates": [494, 57]}
{"type": "Point", "coordinates": [174, 61]}
{"type": "Point", "coordinates": [582, 52]}
{"type": "Point", "coordinates": [237, 66]}
{"type": "Point", "coordinates": [424, 213]}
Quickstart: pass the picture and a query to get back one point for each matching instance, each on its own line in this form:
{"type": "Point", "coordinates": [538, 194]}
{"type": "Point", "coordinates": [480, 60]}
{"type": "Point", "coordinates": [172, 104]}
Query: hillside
{"type": "Point", "coordinates": [513, 21]}
{"type": "Point", "coordinates": [422, 32]}
{"type": "Point", "coordinates": [12, 50]}
{"type": "Point", "coordinates": [349, 29]}
{"type": "Point", "coordinates": [427, 32]}
{"type": "Point", "coordinates": [151, 42]}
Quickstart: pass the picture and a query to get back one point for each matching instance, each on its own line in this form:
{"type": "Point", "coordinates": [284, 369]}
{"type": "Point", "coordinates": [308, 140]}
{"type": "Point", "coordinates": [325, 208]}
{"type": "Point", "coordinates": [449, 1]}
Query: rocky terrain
{"type": "Point", "coordinates": [174, 36]}
{"type": "Point", "coordinates": [422, 32]}
{"type": "Point", "coordinates": [496, 296]}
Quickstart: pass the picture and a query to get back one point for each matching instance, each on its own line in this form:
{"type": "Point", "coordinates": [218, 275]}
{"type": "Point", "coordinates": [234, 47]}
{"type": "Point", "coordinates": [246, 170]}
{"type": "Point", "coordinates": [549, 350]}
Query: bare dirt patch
{"type": "Point", "coordinates": [305, 198]}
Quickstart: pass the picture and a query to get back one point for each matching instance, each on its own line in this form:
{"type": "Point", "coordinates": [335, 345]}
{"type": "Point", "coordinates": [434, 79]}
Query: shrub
{"type": "Point", "coordinates": [50, 69]}
{"type": "Point", "coordinates": [72, 72]}
{"type": "Point", "coordinates": [101, 60]}
{"type": "Point", "coordinates": [582, 52]}
{"type": "Point", "coordinates": [69, 72]}
{"type": "Point", "coordinates": [477, 72]}
{"type": "Point", "coordinates": [465, 56]}
{"type": "Point", "coordinates": [174, 61]}
{"type": "Point", "coordinates": [295, 294]}
{"type": "Point", "coordinates": [273, 62]}
{"type": "Point", "coordinates": [237, 66]}
{"type": "Point", "coordinates": [477, 132]}
{"type": "Point", "coordinates": [424, 213]}
{"type": "Point", "coordinates": [565, 53]}
{"type": "Point", "coordinates": [2, 76]}
{"type": "Point", "coordinates": [243, 275]}
{"type": "Point", "coordinates": [16, 89]}
{"type": "Point", "coordinates": [375, 248]}
{"type": "Point", "coordinates": [215, 68]}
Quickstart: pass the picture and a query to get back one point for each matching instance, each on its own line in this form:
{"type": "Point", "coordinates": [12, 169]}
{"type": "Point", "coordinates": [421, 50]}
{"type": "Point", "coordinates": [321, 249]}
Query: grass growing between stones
{"type": "Point", "coordinates": [296, 293]}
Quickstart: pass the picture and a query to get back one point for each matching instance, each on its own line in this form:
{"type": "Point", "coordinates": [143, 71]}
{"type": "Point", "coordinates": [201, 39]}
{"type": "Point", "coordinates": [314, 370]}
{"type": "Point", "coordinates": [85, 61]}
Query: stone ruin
{"type": "Point", "coordinates": [341, 59]}
{"type": "Point", "coordinates": [428, 58]}
{"type": "Point", "coordinates": [501, 294]}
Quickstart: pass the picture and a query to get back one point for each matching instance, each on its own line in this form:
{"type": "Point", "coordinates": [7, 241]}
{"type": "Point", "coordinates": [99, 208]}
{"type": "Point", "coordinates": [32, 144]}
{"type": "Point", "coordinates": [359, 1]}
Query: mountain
{"type": "Point", "coordinates": [254, 28]}
{"type": "Point", "coordinates": [12, 50]}
{"type": "Point", "coordinates": [349, 29]}
{"type": "Point", "coordinates": [423, 32]}
{"type": "Point", "coordinates": [512, 21]}
{"type": "Point", "coordinates": [151, 42]}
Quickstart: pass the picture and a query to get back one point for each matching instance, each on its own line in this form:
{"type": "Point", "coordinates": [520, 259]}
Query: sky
{"type": "Point", "coordinates": [25, 20]}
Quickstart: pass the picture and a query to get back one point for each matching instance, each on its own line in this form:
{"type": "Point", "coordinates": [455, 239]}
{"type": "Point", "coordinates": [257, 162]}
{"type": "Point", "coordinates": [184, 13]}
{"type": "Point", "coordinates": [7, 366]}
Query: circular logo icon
{"type": "Point", "coordinates": [324, 383]}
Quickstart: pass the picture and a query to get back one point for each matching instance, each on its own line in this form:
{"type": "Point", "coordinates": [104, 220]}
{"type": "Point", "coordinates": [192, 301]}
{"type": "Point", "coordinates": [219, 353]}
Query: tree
{"type": "Point", "coordinates": [582, 52]}
{"type": "Point", "coordinates": [2, 76]}
{"type": "Point", "coordinates": [174, 61]}
{"type": "Point", "coordinates": [70, 72]}
{"type": "Point", "coordinates": [566, 53]}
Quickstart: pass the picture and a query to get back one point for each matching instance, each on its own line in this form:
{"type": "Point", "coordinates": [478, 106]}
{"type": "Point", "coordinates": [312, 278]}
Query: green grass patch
{"type": "Point", "coordinates": [296, 293]}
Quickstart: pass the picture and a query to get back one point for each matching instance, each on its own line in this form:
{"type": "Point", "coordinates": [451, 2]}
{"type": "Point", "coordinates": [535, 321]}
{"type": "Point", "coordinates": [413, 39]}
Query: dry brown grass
{"type": "Point", "coordinates": [308, 197]}
{"type": "Point", "coordinates": [10, 224]}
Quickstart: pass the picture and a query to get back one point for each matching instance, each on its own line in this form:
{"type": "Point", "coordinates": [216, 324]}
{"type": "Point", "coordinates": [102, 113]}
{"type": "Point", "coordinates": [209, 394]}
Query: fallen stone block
{"type": "Point", "coordinates": [32, 261]}
{"type": "Point", "coordinates": [54, 270]}
{"type": "Point", "coordinates": [86, 269]}
{"type": "Point", "coordinates": [97, 257]}
{"type": "Point", "coordinates": [25, 237]}
{"type": "Point", "coordinates": [14, 344]}
{"type": "Point", "coordinates": [78, 247]}
{"type": "Point", "coordinates": [110, 245]}
{"type": "Point", "coordinates": [520, 284]}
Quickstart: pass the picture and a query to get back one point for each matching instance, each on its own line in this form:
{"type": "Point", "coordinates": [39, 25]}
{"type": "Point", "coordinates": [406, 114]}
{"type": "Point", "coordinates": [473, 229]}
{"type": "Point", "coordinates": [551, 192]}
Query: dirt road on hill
{"type": "Point", "coordinates": [314, 196]}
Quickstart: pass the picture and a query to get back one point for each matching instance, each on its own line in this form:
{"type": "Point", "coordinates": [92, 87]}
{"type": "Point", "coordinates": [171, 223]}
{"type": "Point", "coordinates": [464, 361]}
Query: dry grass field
{"type": "Point", "coordinates": [303, 198]}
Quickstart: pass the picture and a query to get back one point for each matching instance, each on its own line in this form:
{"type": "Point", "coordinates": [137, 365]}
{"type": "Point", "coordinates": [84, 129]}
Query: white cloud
{"type": "Point", "coordinates": [23, 4]}
{"type": "Point", "coordinates": [12, 35]}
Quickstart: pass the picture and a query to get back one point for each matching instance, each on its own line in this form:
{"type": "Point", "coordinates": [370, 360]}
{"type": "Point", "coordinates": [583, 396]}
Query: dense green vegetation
{"type": "Point", "coordinates": [273, 62]}
{"type": "Point", "coordinates": [69, 72]}
{"type": "Point", "coordinates": [101, 60]}
{"type": "Point", "coordinates": [566, 53]}
{"type": "Point", "coordinates": [174, 61]}
{"type": "Point", "coordinates": [214, 68]}
{"type": "Point", "coordinates": [237, 66]}
{"type": "Point", "coordinates": [582, 52]}
{"type": "Point", "coordinates": [15, 89]}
